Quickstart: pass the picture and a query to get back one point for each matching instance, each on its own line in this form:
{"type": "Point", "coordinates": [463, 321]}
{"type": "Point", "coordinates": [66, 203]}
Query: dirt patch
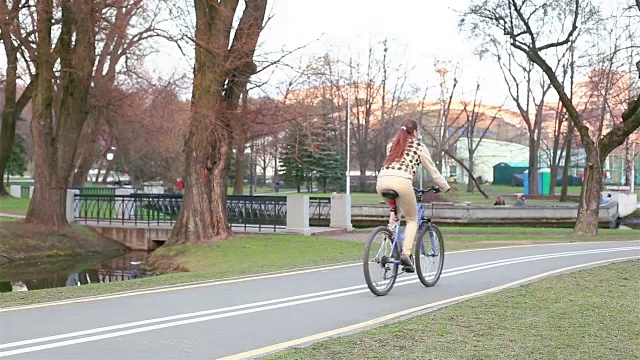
{"type": "Point", "coordinates": [19, 241]}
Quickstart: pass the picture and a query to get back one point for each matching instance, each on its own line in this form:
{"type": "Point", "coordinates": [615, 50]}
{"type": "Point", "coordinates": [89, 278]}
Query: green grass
{"type": "Point", "coordinates": [13, 205]}
{"type": "Point", "coordinates": [259, 253]}
{"type": "Point", "coordinates": [589, 314]}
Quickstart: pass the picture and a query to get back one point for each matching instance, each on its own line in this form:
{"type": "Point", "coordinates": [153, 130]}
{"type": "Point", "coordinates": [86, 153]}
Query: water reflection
{"type": "Point", "coordinates": [44, 274]}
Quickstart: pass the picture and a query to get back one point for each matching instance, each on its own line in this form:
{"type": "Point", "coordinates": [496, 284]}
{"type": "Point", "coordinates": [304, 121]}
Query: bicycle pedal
{"type": "Point", "coordinates": [408, 270]}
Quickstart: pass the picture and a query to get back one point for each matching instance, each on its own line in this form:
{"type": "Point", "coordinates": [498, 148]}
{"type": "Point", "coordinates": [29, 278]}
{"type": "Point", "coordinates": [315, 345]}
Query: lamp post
{"type": "Point", "coordinates": [251, 169]}
{"type": "Point", "coordinates": [110, 156]}
{"type": "Point", "coordinates": [348, 188]}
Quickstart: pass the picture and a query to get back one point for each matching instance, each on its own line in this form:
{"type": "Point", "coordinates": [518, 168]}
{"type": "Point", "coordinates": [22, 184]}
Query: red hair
{"type": "Point", "coordinates": [407, 128]}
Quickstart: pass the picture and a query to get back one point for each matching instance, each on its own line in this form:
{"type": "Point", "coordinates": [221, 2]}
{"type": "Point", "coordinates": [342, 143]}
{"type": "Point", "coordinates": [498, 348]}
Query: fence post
{"type": "Point", "coordinates": [298, 214]}
{"type": "Point", "coordinates": [121, 204]}
{"type": "Point", "coordinates": [15, 191]}
{"type": "Point", "coordinates": [341, 211]}
{"type": "Point", "coordinates": [71, 210]}
{"type": "Point", "coordinates": [31, 188]}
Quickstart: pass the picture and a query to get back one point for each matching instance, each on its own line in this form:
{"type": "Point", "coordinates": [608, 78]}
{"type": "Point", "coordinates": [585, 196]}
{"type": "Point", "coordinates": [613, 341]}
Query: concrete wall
{"type": "Point", "coordinates": [627, 202]}
{"type": "Point", "coordinates": [490, 214]}
{"type": "Point", "coordinates": [135, 238]}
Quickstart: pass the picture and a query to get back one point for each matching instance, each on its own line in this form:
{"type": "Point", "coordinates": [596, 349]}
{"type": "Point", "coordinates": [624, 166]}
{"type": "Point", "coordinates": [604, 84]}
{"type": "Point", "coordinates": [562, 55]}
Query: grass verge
{"type": "Point", "coordinates": [13, 205]}
{"type": "Point", "coordinates": [589, 314]}
{"type": "Point", "coordinates": [255, 253]}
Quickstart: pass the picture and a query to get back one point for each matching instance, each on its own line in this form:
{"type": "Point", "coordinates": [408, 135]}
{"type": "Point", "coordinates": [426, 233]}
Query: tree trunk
{"type": "Point", "coordinates": [203, 216]}
{"type": "Point", "coordinates": [628, 162]}
{"type": "Point", "coordinates": [470, 182]}
{"type": "Point", "coordinates": [13, 107]}
{"type": "Point", "coordinates": [554, 177]}
{"type": "Point", "coordinates": [79, 177]}
{"type": "Point", "coordinates": [567, 164]}
{"type": "Point", "coordinates": [55, 142]}
{"type": "Point", "coordinates": [588, 211]}
{"type": "Point", "coordinates": [533, 165]}
{"type": "Point", "coordinates": [221, 74]}
{"type": "Point", "coordinates": [7, 137]}
{"type": "Point", "coordinates": [240, 171]}
{"type": "Point", "coordinates": [85, 155]}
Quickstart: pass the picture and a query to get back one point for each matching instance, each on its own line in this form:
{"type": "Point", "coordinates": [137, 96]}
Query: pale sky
{"type": "Point", "coordinates": [418, 32]}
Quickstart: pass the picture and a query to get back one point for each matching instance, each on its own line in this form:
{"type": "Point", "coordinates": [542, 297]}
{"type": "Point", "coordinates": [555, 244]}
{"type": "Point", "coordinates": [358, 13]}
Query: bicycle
{"type": "Point", "coordinates": [387, 256]}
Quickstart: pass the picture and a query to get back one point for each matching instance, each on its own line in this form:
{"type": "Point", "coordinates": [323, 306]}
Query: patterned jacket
{"type": "Point", "coordinates": [406, 166]}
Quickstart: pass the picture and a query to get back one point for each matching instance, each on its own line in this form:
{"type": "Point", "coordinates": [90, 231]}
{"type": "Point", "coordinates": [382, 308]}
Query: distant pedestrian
{"type": "Point", "coordinates": [520, 201]}
{"type": "Point", "coordinates": [499, 201]}
{"type": "Point", "coordinates": [179, 184]}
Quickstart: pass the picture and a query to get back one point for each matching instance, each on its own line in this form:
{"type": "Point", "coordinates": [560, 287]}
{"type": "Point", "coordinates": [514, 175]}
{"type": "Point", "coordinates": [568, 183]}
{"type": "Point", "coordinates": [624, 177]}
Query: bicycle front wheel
{"type": "Point", "coordinates": [380, 270]}
{"type": "Point", "coordinates": [429, 255]}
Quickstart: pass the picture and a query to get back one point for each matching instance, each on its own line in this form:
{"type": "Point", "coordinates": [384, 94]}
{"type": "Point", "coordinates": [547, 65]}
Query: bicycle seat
{"type": "Point", "coordinates": [389, 194]}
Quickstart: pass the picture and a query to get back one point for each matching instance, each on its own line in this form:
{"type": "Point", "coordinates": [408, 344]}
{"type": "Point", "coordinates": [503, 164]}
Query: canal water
{"type": "Point", "coordinates": [72, 271]}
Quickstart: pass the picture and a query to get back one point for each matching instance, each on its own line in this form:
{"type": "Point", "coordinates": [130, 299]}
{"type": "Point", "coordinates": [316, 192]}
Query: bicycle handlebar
{"type": "Point", "coordinates": [434, 189]}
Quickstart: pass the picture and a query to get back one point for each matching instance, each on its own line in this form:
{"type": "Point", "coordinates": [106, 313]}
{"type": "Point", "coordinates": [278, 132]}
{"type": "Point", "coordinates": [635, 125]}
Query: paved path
{"type": "Point", "coordinates": [10, 215]}
{"type": "Point", "coordinates": [232, 318]}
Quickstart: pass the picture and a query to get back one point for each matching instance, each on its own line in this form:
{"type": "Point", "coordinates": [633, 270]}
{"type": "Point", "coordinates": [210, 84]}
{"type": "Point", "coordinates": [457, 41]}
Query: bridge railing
{"type": "Point", "coordinates": [247, 212]}
{"type": "Point", "coordinates": [137, 209]}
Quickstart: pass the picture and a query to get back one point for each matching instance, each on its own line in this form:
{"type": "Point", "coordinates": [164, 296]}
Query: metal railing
{"type": "Point", "coordinates": [268, 212]}
{"type": "Point", "coordinates": [94, 190]}
{"type": "Point", "coordinates": [319, 210]}
{"type": "Point", "coordinates": [246, 212]}
{"type": "Point", "coordinates": [136, 209]}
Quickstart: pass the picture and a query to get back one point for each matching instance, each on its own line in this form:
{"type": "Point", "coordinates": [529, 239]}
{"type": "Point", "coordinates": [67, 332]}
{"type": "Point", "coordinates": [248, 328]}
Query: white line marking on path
{"type": "Point", "coordinates": [205, 283]}
{"type": "Point", "coordinates": [366, 324]}
{"type": "Point", "coordinates": [254, 307]}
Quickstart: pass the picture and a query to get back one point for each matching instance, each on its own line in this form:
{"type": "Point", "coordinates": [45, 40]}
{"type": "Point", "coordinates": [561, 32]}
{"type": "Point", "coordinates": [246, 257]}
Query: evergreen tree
{"type": "Point", "coordinates": [328, 161]}
{"type": "Point", "coordinates": [17, 164]}
{"type": "Point", "coordinates": [295, 155]}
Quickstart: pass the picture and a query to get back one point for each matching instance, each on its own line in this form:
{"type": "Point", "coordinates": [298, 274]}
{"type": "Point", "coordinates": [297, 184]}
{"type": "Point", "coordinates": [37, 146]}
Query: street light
{"type": "Point", "coordinates": [348, 189]}
{"type": "Point", "coordinates": [251, 169]}
{"type": "Point", "coordinates": [110, 156]}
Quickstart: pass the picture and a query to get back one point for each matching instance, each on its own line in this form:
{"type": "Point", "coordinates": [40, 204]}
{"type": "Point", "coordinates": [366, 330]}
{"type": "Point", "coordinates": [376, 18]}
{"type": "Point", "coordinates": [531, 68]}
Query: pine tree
{"type": "Point", "coordinates": [17, 164]}
{"type": "Point", "coordinates": [295, 156]}
{"type": "Point", "coordinates": [328, 161]}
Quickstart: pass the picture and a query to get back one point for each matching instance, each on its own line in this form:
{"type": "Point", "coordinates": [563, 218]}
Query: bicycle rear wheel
{"type": "Point", "coordinates": [429, 255]}
{"type": "Point", "coordinates": [380, 272]}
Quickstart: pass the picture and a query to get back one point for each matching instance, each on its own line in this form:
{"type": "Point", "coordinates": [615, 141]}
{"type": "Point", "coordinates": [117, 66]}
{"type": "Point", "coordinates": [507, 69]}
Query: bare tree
{"type": "Point", "coordinates": [521, 78]}
{"type": "Point", "coordinates": [221, 73]}
{"type": "Point", "coordinates": [56, 125]}
{"type": "Point", "coordinates": [14, 102]}
{"type": "Point", "coordinates": [123, 41]}
{"type": "Point", "coordinates": [474, 131]}
{"type": "Point", "coordinates": [562, 19]}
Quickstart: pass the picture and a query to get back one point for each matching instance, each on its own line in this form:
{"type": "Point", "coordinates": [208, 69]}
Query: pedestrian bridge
{"type": "Point", "coordinates": [144, 221]}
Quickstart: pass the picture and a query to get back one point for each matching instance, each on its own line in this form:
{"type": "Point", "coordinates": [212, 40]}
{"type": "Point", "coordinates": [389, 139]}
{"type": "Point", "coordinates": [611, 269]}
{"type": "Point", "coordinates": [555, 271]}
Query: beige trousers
{"type": "Point", "coordinates": [406, 202]}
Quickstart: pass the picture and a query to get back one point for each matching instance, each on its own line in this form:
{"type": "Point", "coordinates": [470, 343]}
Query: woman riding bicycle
{"type": "Point", "coordinates": [403, 157]}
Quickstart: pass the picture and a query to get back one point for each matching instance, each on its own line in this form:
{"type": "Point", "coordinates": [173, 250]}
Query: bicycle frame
{"type": "Point", "coordinates": [398, 233]}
